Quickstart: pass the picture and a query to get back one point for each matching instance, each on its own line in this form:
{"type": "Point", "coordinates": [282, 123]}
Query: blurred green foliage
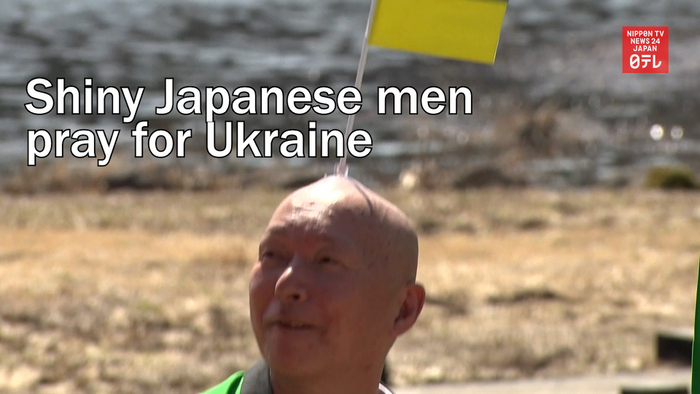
{"type": "Point", "coordinates": [671, 178]}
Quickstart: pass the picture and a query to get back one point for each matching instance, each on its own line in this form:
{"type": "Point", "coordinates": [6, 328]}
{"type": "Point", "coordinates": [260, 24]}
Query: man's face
{"type": "Point", "coordinates": [318, 294]}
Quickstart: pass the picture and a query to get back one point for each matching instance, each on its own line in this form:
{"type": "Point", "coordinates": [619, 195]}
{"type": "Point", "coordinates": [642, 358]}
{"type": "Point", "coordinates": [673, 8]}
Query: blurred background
{"type": "Point", "coordinates": [554, 110]}
{"type": "Point", "coordinates": [553, 239]}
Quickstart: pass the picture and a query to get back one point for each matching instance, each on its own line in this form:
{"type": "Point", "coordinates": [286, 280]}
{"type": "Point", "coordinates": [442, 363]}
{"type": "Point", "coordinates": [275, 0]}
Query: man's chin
{"type": "Point", "coordinates": [294, 365]}
{"type": "Point", "coordinates": [290, 358]}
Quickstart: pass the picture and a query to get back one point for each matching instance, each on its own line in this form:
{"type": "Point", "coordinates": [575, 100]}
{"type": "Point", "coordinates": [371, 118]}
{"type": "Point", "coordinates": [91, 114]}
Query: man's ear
{"type": "Point", "coordinates": [411, 307]}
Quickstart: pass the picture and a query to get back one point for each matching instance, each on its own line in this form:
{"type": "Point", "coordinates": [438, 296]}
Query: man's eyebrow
{"type": "Point", "coordinates": [270, 235]}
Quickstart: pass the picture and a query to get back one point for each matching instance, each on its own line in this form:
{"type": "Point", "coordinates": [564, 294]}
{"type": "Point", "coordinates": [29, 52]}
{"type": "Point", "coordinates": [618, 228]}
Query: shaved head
{"type": "Point", "coordinates": [388, 236]}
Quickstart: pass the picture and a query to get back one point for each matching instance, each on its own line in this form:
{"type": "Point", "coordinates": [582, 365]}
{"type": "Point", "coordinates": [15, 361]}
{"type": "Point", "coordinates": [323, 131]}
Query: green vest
{"type": "Point", "coordinates": [257, 382]}
{"type": "Point", "coordinates": [232, 385]}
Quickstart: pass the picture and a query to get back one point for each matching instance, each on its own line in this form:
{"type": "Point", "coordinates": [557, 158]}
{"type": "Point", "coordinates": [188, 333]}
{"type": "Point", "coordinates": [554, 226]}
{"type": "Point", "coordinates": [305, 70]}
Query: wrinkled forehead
{"type": "Point", "coordinates": [322, 208]}
{"type": "Point", "coordinates": [309, 216]}
{"type": "Point", "coordinates": [325, 209]}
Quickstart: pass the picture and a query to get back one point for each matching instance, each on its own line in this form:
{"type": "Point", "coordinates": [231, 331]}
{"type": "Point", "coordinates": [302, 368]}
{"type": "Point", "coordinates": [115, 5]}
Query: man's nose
{"type": "Point", "coordinates": [292, 285]}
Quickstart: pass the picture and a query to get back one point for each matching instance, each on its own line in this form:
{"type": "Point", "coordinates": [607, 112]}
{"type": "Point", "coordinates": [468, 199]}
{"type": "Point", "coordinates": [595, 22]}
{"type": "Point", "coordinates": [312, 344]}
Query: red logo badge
{"type": "Point", "coordinates": [644, 49]}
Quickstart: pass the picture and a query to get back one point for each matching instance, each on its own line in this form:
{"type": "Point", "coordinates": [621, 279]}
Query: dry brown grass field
{"type": "Point", "coordinates": [147, 292]}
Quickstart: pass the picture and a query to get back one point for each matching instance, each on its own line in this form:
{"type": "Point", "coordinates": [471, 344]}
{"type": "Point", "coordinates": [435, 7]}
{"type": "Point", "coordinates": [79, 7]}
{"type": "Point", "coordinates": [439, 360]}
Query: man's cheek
{"type": "Point", "coordinates": [261, 282]}
{"type": "Point", "coordinates": [260, 294]}
{"type": "Point", "coordinates": [254, 285]}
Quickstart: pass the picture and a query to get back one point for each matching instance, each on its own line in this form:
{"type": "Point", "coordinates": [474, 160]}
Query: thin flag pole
{"type": "Point", "coordinates": [342, 168]}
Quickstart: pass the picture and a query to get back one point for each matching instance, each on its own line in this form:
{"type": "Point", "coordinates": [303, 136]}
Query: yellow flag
{"type": "Point", "coordinates": [458, 29]}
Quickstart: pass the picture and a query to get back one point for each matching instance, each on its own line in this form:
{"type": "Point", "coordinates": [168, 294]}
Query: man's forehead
{"type": "Point", "coordinates": [300, 214]}
{"type": "Point", "coordinates": [331, 190]}
{"type": "Point", "coordinates": [304, 223]}
{"type": "Point", "coordinates": [322, 210]}
{"type": "Point", "coordinates": [328, 197]}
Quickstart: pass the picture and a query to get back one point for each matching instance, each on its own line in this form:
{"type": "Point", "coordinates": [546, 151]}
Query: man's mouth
{"type": "Point", "coordinates": [293, 325]}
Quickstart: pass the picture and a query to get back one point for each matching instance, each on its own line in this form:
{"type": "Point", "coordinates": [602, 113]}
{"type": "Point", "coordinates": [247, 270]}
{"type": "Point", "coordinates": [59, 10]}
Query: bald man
{"type": "Point", "coordinates": [333, 287]}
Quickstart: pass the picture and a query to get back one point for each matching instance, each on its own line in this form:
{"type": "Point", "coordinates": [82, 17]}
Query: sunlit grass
{"type": "Point", "coordinates": [143, 292]}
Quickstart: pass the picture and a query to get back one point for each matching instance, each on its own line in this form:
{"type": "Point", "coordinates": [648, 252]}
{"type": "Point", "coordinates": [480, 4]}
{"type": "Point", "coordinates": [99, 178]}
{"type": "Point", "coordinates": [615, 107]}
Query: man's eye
{"type": "Point", "coordinates": [328, 260]}
{"type": "Point", "coordinates": [268, 255]}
